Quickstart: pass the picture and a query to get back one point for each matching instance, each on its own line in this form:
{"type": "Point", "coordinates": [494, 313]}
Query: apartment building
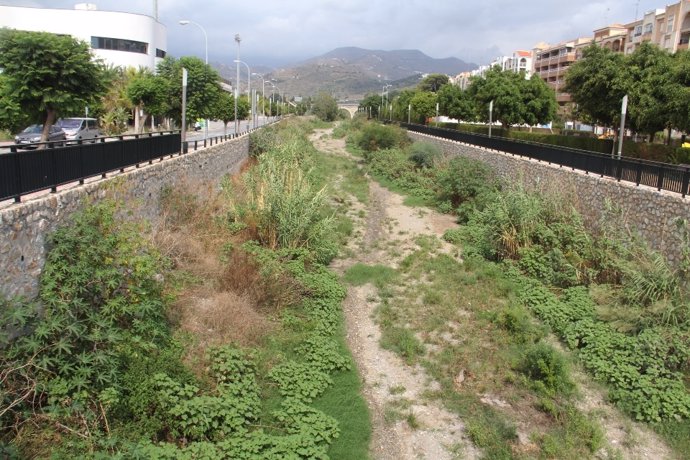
{"type": "Point", "coordinates": [519, 61]}
{"type": "Point", "coordinates": [668, 28]}
{"type": "Point", "coordinates": [551, 62]}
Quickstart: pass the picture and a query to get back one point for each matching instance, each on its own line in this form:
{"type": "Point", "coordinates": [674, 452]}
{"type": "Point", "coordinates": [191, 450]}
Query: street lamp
{"type": "Point", "coordinates": [237, 61]}
{"type": "Point", "coordinates": [184, 22]}
{"type": "Point", "coordinates": [263, 92]}
{"type": "Point", "coordinates": [249, 82]}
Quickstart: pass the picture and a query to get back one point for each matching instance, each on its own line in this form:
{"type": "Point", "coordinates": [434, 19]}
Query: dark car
{"type": "Point", "coordinates": [32, 135]}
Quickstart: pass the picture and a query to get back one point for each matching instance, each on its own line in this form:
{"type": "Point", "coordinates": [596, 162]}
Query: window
{"type": "Point", "coordinates": [648, 28]}
{"type": "Point", "coordinates": [160, 53]}
{"type": "Point", "coordinates": [669, 24]}
{"type": "Point", "coordinates": [638, 31]}
{"type": "Point", "coordinates": [119, 44]}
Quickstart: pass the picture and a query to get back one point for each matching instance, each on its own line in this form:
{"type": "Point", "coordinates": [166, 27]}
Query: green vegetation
{"type": "Point", "coordinates": [228, 345]}
{"type": "Point", "coordinates": [530, 265]}
{"type": "Point", "coordinates": [325, 107]}
{"type": "Point", "coordinates": [44, 76]}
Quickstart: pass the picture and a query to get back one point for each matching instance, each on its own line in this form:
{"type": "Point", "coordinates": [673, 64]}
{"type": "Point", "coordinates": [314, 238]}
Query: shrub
{"type": "Point", "coordinates": [424, 154]}
{"type": "Point", "coordinates": [465, 185]}
{"type": "Point", "coordinates": [547, 368]}
{"type": "Point", "coordinates": [375, 137]}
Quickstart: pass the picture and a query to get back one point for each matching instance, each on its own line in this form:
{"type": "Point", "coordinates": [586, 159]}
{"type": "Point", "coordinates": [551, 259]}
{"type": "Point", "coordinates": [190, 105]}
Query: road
{"type": "Point", "coordinates": [216, 128]}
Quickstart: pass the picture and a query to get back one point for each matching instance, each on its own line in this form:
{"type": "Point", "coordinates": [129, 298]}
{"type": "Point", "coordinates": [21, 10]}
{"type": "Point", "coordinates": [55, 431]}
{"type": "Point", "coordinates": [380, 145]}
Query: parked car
{"type": "Point", "coordinates": [79, 128]}
{"type": "Point", "coordinates": [32, 135]}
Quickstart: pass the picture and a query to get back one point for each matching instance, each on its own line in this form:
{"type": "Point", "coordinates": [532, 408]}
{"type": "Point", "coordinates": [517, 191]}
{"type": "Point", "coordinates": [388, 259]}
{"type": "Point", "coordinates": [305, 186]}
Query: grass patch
{"type": "Point", "coordinates": [378, 275]}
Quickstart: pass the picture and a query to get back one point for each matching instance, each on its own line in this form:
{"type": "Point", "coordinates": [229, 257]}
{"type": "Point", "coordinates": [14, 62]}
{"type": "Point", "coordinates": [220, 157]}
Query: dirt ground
{"type": "Point", "coordinates": [388, 382]}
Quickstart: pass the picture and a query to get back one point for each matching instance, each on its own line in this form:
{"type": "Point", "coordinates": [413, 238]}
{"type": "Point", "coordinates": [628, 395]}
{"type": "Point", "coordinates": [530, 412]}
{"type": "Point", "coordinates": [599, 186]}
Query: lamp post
{"type": "Point", "coordinates": [280, 110]}
{"type": "Point", "coordinates": [237, 93]}
{"type": "Point", "coordinates": [263, 92]}
{"type": "Point", "coordinates": [184, 22]}
{"type": "Point", "coordinates": [249, 82]}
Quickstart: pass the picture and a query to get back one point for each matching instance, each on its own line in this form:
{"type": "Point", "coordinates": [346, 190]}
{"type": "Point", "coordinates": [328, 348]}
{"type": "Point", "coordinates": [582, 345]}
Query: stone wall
{"type": "Point", "coordinates": [651, 213]}
{"type": "Point", "coordinates": [25, 227]}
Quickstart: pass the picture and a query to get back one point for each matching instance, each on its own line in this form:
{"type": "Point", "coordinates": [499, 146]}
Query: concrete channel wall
{"type": "Point", "coordinates": [651, 213]}
{"type": "Point", "coordinates": [25, 227]}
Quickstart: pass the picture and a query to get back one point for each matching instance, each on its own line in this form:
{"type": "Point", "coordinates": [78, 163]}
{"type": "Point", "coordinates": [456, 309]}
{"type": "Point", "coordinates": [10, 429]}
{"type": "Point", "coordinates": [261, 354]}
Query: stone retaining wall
{"type": "Point", "coordinates": [651, 213]}
{"type": "Point", "coordinates": [25, 227]}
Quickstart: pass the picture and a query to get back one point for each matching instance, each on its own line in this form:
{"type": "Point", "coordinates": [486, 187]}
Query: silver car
{"type": "Point", "coordinates": [79, 128]}
{"type": "Point", "coordinates": [32, 135]}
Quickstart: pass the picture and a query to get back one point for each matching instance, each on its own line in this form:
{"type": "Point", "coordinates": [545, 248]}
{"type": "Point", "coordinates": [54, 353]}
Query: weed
{"type": "Point", "coordinates": [378, 275]}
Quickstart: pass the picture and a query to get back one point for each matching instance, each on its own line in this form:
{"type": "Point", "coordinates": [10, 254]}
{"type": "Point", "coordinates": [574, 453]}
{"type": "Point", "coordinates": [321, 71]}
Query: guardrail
{"type": "Point", "coordinates": [27, 171]}
{"type": "Point", "coordinates": [661, 176]}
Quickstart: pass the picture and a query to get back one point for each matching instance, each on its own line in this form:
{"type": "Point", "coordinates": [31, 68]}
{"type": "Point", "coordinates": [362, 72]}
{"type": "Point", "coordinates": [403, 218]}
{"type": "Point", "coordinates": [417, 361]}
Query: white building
{"type": "Point", "coordinates": [119, 39]}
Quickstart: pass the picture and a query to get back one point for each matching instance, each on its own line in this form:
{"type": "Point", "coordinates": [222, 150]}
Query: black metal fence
{"type": "Point", "coordinates": [661, 176]}
{"type": "Point", "coordinates": [27, 171]}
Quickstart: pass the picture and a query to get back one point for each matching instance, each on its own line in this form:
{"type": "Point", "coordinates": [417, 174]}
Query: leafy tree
{"type": "Point", "coordinates": [325, 107]}
{"type": "Point", "coordinates": [203, 87]}
{"type": "Point", "coordinates": [114, 107]}
{"type": "Point", "coordinates": [455, 103]}
{"type": "Point", "coordinates": [433, 82]}
{"type": "Point", "coordinates": [147, 92]}
{"type": "Point", "coordinates": [679, 105]}
{"type": "Point", "coordinates": [423, 105]}
{"type": "Point", "coordinates": [46, 75]}
{"type": "Point", "coordinates": [371, 102]}
{"type": "Point", "coordinates": [597, 84]}
{"type": "Point", "coordinates": [504, 89]}
{"type": "Point", "coordinates": [652, 89]}
{"type": "Point", "coordinates": [539, 101]}
{"type": "Point", "coordinates": [402, 103]}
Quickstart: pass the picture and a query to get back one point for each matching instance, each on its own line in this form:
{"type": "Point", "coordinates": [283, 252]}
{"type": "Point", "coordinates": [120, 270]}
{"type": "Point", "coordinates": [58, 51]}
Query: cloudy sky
{"type": "Point", "coordinates": [276, 32]}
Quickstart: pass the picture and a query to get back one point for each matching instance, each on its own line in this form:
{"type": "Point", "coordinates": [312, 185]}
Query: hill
{"type": "Point", "coordinates": [352, 72]}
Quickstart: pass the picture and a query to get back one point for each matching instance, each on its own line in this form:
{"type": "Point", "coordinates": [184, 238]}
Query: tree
{"type": "Point", "coordinates": [203, 87]}
{"type": "Point", "coordinates": [325, 107]}
{"type": "Point", "coordinates": [455, 103]}
{"type": "Point", "coordinates": [423, 105]}
{"type": "Point", "coordinates": [433, 82]}
{"type": "Point", "coordinates": [539, 101]}
{"type": "Point", "coordinates": [371, 103]}
{"type": "Point", "coordinates": [147, 92]}
{"type": "Point", "coordinates": [402, 103]}
{"type": "Point", "coordinates": [225, 109]}
{"type": "Point", "coordinates": [652, 89]}
{"type": "Point", "coordinates": [504, 89]}
{"type": "Point", "coordinates": [47, 75]}
{"type": "Point", "coordinates": [597, 84]}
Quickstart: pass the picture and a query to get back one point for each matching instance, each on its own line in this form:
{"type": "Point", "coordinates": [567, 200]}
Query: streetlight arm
{"type": "Point", "coordinates": [184, 22]}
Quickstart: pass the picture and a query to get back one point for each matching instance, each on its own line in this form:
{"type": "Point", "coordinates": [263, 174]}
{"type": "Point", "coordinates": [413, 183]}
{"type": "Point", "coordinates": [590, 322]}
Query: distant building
{"type": "Point", "coordinates": [668, 28]}
{"type": "Point", "coordinates": [119, 39]}
{"type": "Point", "coordinates": [551, 63]}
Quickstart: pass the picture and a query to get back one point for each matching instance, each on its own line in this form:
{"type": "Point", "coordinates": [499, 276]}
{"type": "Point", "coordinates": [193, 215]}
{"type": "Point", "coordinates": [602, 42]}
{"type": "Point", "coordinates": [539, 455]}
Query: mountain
{"type": "Point", "coordinates": [353, 72]}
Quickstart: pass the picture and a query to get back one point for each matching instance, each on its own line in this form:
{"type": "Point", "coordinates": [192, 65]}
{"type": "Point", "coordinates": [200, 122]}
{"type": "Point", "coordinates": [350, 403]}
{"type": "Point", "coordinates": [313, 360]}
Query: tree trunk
{"type": "Point", "coordinates": [668, 138]}
{"type": "Point", "coordinates": [51, 114]}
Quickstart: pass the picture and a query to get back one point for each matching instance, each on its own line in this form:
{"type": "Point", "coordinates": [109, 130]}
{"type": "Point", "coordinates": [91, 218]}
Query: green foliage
{"type": "Point", "coordinates": [424, 154]}
{"type": "Point", "coordinates": [465, 185]}
{"type": "Point", "coordinates": [299, 380]}
{"type": "Point", "coordinates": [433, 82]}
{"type": "Point", "coordinates": [44, 76]}
{"type": "Point", "coordinates": [515, 100]}
{"type": "Point", "coordinates": [456, 103]}
{"type": "Point", "coordinates": [547, 369]}
{"type": "Point", "coordinates": [375, 137]}
{"type": "Point", "coordinates": [203, 88]}
{"type": "Point", "coordinates": [379, 275]}
{"type": "Point", "coordinates": [325, 107]}
{"type": "Point", "coordinates": [100, 307]}
{"type": "Point", "coordinates": [423, 105]}
{"type": "Point", "coordinates": [283, 204]}
{"type": "Point", "coordinates": [642, 373]}
{"type": "Point", "coordinates": [148, 91]}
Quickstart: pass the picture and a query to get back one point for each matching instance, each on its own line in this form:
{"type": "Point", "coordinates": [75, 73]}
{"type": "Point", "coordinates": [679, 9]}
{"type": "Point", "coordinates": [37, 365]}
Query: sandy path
{"type": "Point", "coordinates": [388, 223]}
{"type": "Point", "coordinates": [390, 384]}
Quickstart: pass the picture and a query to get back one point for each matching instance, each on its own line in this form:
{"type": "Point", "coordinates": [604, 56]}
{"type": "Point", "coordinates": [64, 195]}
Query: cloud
{"type": "Point", "coordinates": [287, 31]}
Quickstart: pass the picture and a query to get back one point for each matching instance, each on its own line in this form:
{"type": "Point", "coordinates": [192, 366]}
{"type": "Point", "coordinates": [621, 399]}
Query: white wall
{"type": "Point", "coordinates": [83, 24]}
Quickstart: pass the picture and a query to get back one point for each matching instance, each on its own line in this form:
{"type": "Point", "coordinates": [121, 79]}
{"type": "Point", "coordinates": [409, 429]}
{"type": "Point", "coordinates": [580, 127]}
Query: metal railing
{"type": "Point", "coordinates": [661, 176]}
{"type": "Point", "coordinates": [27, 171]}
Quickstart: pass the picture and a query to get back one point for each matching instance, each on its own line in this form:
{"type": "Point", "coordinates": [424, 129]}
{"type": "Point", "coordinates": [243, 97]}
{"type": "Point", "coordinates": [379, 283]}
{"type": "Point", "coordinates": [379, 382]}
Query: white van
{"type": "Point", "coordinates": [79, 128]}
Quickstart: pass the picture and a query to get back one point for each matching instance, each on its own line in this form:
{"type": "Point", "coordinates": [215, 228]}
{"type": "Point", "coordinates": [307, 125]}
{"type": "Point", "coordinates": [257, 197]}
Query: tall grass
{"type": "Point", "coordinates": [280, 202]}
